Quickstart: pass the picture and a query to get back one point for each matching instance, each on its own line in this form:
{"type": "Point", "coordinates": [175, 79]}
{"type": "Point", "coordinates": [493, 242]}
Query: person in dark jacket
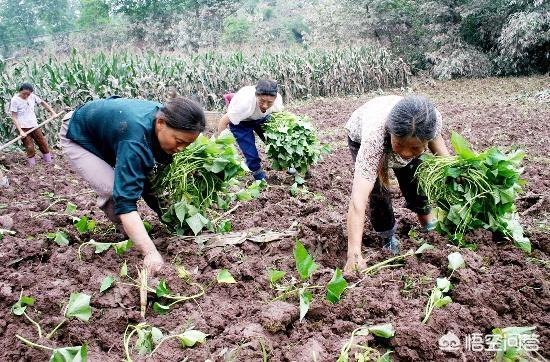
{"type": "Point", "coordinates": [115, 143]}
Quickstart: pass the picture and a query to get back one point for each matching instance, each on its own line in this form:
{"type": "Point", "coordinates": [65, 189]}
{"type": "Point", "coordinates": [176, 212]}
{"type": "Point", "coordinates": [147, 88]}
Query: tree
{"type": "Point", "coordinates": [93, 13]}
{"type": "Point", "coordinates": [236, 29]}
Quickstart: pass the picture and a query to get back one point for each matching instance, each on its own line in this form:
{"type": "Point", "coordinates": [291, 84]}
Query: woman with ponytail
{"type": "Point", "coordinates": [388, 132]}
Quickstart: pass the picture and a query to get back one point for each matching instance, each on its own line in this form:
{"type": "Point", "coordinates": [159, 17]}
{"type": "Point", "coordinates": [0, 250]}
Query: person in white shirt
{"type": "Point", "coordinates": [24, 118]}
{"type": "Point", "coordinates": [248, 109]}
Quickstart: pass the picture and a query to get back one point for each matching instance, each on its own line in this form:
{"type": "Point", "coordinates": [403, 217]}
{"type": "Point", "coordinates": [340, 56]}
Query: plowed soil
{"type": "Point", "coordinates": [500, 287]}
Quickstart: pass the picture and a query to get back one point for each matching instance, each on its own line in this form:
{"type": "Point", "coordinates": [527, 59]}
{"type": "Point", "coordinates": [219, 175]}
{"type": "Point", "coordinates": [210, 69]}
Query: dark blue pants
{"type": "Point", "coordinates": [244, 134]}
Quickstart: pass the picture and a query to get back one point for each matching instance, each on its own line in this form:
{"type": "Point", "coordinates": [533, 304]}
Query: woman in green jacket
{"type": "Point", "coordinates": [114, 144]}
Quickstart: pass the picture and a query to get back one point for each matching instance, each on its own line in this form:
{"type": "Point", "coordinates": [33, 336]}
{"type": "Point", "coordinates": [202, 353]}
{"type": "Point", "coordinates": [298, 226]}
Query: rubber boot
{"type": "Point", "coordinates": [291, 171]}
{"type": "Point", "coordinates": [259, 174]}
{"type": "Point", "coordinates": [31, 161]}
{"type": "Point", "coordinates": [47, 157]}
{"type": "Point", "coordinates": [428, 227]}
{"type": "Point", "coordinates": [392, 244]}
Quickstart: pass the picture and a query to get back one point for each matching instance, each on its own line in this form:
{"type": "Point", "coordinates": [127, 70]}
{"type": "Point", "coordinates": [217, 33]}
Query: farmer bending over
{"type": "Point", "coordinates": [114, 143]}
{"type": "Point", "coordinates": [248, 109]}
{"type": "Point", "coordinates": [388, 132]}
{"type": "Point", "coordinates": [24, 118]}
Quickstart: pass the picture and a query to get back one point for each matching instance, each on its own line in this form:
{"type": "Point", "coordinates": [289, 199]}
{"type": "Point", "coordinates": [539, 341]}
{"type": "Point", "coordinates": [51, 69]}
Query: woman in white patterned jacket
{"type": "Point", "coordinates": [388, 132]}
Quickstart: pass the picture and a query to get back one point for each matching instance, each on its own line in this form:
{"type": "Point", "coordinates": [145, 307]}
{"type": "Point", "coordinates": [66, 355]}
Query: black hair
{"type": "Point", "coordinates": [183, 114]}
{"type": "Point", "coordinates": [266, 87]}
{"type": "Point", "coordinates": [412, 116]}
{"type": "Point", "coordinates": [26, 86]}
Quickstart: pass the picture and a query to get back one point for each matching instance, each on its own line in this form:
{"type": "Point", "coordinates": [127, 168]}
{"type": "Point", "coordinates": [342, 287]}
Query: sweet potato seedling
{"type": "Point", "coordinates": [78, 307]}
{"type": "Point", "coordinates": [150, 338]}
{"type": "Point", "coordinates": [437, 298]}
{"type": "Point", "coordinates": [363, 351]}
{"type": "Point", "coordinates": [306, 267]}
{"type": "Point", "coordinates": [120, 247]}
{"type": "Point", "coordinates": [84, 225]}
{"type": "Point", "coordinates": [514, 344]}
{"type": "Point", "coordinates": [5, 232]}
{"type": "Point", "coordinates": [59, 237]}
{"type": "Point", "coordinates": [162, 291]}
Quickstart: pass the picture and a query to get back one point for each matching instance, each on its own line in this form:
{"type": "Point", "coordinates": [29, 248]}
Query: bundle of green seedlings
{"type": "Point", "coordinates": [200, 181]}
{"type": "Point", "coordinates": [437, 298]}
{"type": "Point", "coordinates": [515, 344]}
{"type": "Point", "coordinates": [474, 190]}
{"type": "Point", "coordinates": [306, 266]}
{"type": "Point", "coordinates": [78, 307]}
{"type": "Point", "coordinates": [363, 352]}
{"type": "Point", "coordinates": [291, 143]}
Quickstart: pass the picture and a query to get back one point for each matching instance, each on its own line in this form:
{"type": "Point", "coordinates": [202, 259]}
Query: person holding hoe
{"type": "Point", "coordinates": [115, 143]}
{"type": "Point", "coordinates": [247, 111]}
{"type": "Point", "coordinates": [388, 132]}
{"type": "Point", "coordinates": [24, 118]}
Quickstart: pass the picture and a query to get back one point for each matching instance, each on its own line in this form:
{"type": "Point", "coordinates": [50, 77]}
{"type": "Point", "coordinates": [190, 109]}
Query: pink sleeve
{"type": "Point", "coordinates": [370, 153]}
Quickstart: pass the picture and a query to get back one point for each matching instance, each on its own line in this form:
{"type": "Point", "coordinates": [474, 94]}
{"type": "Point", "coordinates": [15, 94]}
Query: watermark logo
{"type": "Point", "coordinates": [449, 342]}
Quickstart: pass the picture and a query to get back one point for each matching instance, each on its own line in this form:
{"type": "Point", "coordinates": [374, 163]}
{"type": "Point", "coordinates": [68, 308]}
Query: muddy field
{"type": "Point", "coordinates": [499, 288]}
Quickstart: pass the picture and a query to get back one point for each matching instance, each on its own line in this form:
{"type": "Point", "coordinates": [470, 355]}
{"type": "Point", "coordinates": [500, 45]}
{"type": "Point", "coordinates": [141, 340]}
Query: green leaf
{"type": "Point", "coordinates": [191, 337]}
{"type": "Point", "coordinates": [275, 275]}
{"type": "Point", "coordinates": [305, 300]}
{"type": "Point", "coordinates": [443, 284]}
{"type": "Point", "coordinates": [364, 331]}
{"type": "Point", "coordinates": [21, 305]}
{"type": "Point", "coordinates": [106, 283]}
{"type": "Point", "coordinates": [162, 289]}
{"type": "Point", "coordinates": [336, 287]}
{"type": "Point", "coordinates": [100, 247]}
{"type": "Point", "coordinates": [144, 342]}
{"type": "Point", "coordinates": [122, 246]}
{"type": "Point", "coordinates": [383, 330]}
{"type": "Point", "coordinates": [60, 238]}
{"type": "Point", "coordinates": [148, 226]}
{"type": "Point", "coordinates": [461, 146]}
{"type": "Point", "coordinates": [156, 335]}
{"type": "Point", "coordinates": [70, 208]}
{"type": "Point", "coordinates": [79, 307]}
{"type": "Point", "coordinates": [69, 354]}
{"type": "Point", "coordinates": [305, 265]}
{"type": "Point", "coordinates": [82, 225]}
{"type": "Point", "coordinates": [455, 261]}
{"type": "Point", "coordinates": [160, 308]}
{"type": "Point", "coordinates": [423, 248]}
{"type": "Point", "coordinates": [124, 269]}
{"type": "Point", "coordinates": [440, 303]}
{"type": "Point", "coordinates": [224, 226]}
{"type": "Point", "coordinates": [225, 277]}
{"type": "Point", "coordinates": [197, 222]}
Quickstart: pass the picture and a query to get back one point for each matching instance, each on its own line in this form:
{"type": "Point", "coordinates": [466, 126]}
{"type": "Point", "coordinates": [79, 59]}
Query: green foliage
{"type": "Point", "coordinates": [455, 261]}
{"type": "Point", "coordinates": [79, 307]}
{"type": "Point", "coordinates": [198, 179]}
{"type": "Point", "coordinates": [84, 77]}
{"type": "Point", "coordinates": [474, 190]}
{"type": "Point", "coordinates": [305, 265]}
{"type": "Point", "coordinates": [21, 305]}
{"type": "Point", "coordinates": [510, 344]}
{"type": "Point", "coordinates": [59, 237]}
{"type": "Point", "coordinates": [225, 277]}
{"type": "Point", "coordinates": [106, 283]}
{"type": "Point", "coordinates": [291, 142]}
{"type": "Point", "coordinates": [306, 297]}
{"type": "Point", "coordinates": [364, 352]}
{"type": "Point", "coordinates": [69, 354]}
{"type": "Point", "coordinates": [275, 275]}
{"type": "Point", "coordinates": [93, 13]}
{"type": "Point", "coordinates": [236, 29]}
{"type": "Point", "coordinates": [83, 225]}
{"type": "Point", "coordinates": [437, 298]}
{"type": "Point", "coordinates": [120, 247]}
{"type": "Point", "coordinates": [336, 287]}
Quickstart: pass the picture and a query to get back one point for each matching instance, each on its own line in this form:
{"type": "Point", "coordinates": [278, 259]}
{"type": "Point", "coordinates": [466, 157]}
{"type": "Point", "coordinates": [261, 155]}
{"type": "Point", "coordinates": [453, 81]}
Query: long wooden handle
{"type": "Point", "coordinates": [33, 129]}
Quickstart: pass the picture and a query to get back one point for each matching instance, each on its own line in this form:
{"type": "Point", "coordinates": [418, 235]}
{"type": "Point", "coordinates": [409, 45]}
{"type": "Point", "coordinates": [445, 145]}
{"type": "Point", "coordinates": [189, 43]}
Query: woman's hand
{"type": "Point", "coordinates": [153, 262]}
{"type": "Point", "coordinates": [354, 264]}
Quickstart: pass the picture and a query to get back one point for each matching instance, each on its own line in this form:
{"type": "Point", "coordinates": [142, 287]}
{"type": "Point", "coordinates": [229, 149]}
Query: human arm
{"type": "Point", "coordinates": [223, 123]}
{"type": "Point", "coordinates": [360, 193]}
{"type": "Point", "coordinates": [438, 147]}
{"type": "Point", "coordinates": [16, 123]}
{"type": "Point", "coordinates": [134, 228]}
{"type": "Point", "coordinates": [48, 108]}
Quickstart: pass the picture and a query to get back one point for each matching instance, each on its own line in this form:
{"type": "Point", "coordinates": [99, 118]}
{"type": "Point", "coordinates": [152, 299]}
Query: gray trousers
{"type": "Point", "coordinates": [98, 173]}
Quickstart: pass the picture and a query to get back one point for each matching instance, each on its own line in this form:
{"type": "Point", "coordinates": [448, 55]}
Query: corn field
{"type": "Point", "coordinates": [70, 82]}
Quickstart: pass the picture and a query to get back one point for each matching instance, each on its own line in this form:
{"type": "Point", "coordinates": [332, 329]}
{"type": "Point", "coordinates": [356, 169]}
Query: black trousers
{"type": "Point", "coordinates": [381, 213]}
